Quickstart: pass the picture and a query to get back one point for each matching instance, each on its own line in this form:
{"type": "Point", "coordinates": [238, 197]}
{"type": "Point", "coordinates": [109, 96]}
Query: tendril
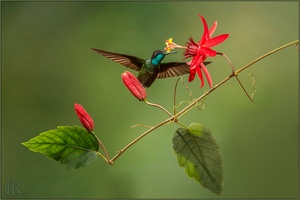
{"type": "Point", "coordinates": [141, 125]}
{"type": "Point", "coordinates": [253, 82]}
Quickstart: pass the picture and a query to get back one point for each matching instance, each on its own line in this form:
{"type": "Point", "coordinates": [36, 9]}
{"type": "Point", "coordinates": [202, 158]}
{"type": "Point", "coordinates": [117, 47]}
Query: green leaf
{"type": "Point", "coordinates": [198, 152]}
{"type": "Point", "coordinates": [71, 146]}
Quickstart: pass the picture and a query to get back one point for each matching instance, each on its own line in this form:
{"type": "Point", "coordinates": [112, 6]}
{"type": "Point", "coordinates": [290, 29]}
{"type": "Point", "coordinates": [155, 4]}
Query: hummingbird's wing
{"type": "Point", "coordinates": [172, 69]}
{"type": "Point", "coordinates": [131, 62]}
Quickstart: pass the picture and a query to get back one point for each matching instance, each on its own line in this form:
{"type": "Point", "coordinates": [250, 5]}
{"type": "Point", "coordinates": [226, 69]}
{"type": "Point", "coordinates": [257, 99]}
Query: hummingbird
{"type": "Point", "coordinates": [150, 69]}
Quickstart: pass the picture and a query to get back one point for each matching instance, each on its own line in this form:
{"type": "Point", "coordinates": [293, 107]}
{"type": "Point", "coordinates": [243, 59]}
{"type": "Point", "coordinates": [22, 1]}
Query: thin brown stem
{"type": "Point", "coordinates": [228, 60]}
{"type": "Point", "coordinates": [236, 76]}
{"type": "Point", "coordinates": [140, 137]}
{"type": "Point", "coordinates": [192, 104]}
{"type": "Point", "coordinates": [104, 149]}
{"type": "Point", "coordinates": [175, 92]}
{"type": "Point", "coordinates": [265, 55]}
{"type": "Point", "coordinates": [244, 88]}
{"type": "Point", "coordinates": [158, 106]}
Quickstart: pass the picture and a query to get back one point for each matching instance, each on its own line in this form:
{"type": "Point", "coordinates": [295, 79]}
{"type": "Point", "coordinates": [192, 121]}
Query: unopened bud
{"type": "Point", "coordinates": [84, 117]}
{"type": "Point", "coordinates": [134, 85]}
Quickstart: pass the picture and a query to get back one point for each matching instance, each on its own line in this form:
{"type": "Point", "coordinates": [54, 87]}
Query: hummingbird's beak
{"type": "Point", "coordinates": [172, 52]}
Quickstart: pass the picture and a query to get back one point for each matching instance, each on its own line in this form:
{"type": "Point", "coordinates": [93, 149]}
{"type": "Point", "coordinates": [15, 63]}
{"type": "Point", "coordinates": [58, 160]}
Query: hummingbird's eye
{"type": "Point", "coordinates": [155, 53]}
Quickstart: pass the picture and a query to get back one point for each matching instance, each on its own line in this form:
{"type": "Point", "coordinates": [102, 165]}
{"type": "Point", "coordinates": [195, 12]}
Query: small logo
{"type": "Point", "coordinates": [12, 188]}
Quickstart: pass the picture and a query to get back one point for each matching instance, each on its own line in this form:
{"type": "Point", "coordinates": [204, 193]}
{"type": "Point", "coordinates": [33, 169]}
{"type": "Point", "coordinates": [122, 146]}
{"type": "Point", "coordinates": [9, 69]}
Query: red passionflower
{"type": "Point", "coordinates": [199, 52]}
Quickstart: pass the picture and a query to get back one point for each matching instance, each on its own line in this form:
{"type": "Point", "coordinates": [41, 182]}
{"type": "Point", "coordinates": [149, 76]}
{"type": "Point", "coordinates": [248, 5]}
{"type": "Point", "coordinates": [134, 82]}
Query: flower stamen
{"type": "Point", "coordinates": [172, 45]}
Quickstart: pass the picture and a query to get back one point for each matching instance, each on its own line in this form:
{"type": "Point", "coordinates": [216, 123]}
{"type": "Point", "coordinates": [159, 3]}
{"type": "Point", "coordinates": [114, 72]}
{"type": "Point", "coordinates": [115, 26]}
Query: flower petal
{"type": "Point", "coordinates": [197, 60]}
{"type": "Point", "coordinates": [208, 52]}
{"type": "Point", "coordinates": [213, 28]}
{"type": "Point", "coordinates": [205, 35]}
{"type": "Point", "coordinates": [200, 75]}
{"type": "Point", "coordinates": [216, 40]}
{"type": "Point", "coordinates": [207, 75]}
{"type": "Point", "coordinates": [192, 75]}
{"type": "Point", "coordinates": [194, 64]}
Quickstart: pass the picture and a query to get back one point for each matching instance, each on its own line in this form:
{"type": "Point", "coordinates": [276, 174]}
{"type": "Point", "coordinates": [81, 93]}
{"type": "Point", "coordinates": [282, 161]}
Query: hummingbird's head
{"type": "Point", "coordinates": [159, 55]}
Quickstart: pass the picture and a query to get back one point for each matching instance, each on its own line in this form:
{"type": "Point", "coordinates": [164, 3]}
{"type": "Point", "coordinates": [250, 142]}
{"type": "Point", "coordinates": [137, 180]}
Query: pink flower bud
{"type": "Point", "coordinates": [84, 117]}
{"type": "Point", "coordinates": [134, 85]}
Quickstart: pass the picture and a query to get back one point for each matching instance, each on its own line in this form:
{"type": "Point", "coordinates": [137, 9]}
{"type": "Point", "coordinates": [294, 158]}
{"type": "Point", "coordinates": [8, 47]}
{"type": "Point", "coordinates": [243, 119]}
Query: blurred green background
{"type": "Point", "coordinates": [47, 66]}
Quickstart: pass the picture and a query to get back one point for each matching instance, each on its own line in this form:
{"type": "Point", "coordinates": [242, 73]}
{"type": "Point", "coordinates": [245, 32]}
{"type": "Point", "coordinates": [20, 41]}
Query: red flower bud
{"type": "Point", "coordinates": [134, 85]}
{"type": "Point", "coordinates": [84, 117]}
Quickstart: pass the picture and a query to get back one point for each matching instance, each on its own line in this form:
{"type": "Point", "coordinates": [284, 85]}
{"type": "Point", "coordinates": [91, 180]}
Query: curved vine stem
{"type": "Point", "coordinates": [175, 94]}
{"type": "Point", "coordinates": [158, 106]}
{"type": "Point", "coordinates": [140, 137]}
{"type": "Point", "coordinates": [106, 157]}
{"type": "Point", "coordinates": [265, 55]}
{"type": "Point", "coordinates": [236, 76]}
{"type": "Point", "coordinates": [176, 115]}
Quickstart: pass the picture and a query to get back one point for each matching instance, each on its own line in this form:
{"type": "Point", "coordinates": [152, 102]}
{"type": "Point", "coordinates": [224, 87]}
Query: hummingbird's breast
{"type": "Point", "coordinates": [149, 66]}
{"type": "Point", "coordinates": [148, 74]}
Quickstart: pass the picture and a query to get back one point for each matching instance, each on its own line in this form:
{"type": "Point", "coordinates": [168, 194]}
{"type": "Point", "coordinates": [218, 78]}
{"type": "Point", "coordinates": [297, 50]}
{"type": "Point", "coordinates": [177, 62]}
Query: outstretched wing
{"type": "Point", "coordinates": [172, 69]}
{"type": "Point", "coordinates": [131, 62]}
